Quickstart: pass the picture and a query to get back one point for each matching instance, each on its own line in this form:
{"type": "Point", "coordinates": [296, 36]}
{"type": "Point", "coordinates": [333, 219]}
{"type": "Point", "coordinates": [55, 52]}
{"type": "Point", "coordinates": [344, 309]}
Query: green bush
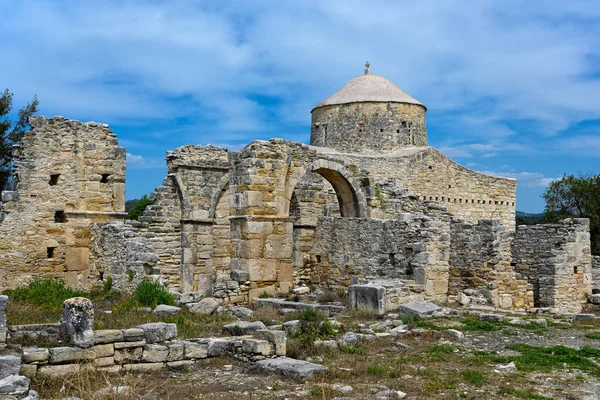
{"type": "Point", "coordinates": [473, 377]}
{"type": "Point", "coordinates": [264, 295]}
{"type": "Point", "coordinates": [377, 370]}
{"type": "Point", "coordinates": [139, 207]}
{"type": "Point", "coordinates": [353, 350]}
{"type": "Point", "coordinates": [47, 293]}
{"type": "Point", "coordinates": [151, 294]}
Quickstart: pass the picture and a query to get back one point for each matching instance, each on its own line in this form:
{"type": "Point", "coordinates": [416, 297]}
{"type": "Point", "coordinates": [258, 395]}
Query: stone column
{"type": "Point", "coordinates": [77, 321]}
{"type": "Point", "coordinates": [262, 247]}
{"type": "Point", "coordinates": [196, 259]}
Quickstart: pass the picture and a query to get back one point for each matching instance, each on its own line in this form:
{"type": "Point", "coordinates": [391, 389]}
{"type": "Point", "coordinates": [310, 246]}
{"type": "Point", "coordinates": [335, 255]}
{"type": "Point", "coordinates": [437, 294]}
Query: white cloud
{"type": "Point", "coordinates": [135, 161]}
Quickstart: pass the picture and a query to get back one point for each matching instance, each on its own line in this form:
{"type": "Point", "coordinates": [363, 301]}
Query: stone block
{"type": "Point", "coordinates": [256, 346]}
{"type": "Point", "coordinates": [291, 367]}
{"type": "Point", "coordinates": [28, 370]}
{"type": "Point", "coordinates": [35, 355]}
{"type": "Point", "coordinates": [64, 355]}
{"type": "Point", "coordinates": [207, 306]}
{"type": "Point", "coordinates": [277, 338]}
{"type": "Point", "coordinates": [420, 308]}
{"type": "Point", "coordinates": [127, 345]}
{"type": "Point", "coordinates": [77, 322]}
{"type": "Point", "coordinates": [108, 336]}
{"type": "Point", "coordinates": [176, 351]}
{"type": "Point", "coordinates": [367, 297]}
{"type": "Point", "coordinates": [14, 385]}
{"type": "Point", "coordinates": [133, 334]}
{"type": "Point", "coordinates": [220, 347]}
{"type": "Point", "coordinates": [491, 317]}
{"type": "Point", "coordinates": [77, 259]}
{"type": "Point", "coordinates": [9, 366]}
{"type": "Point", "coordinates": [155, 353]}
{"type": "Point", "coordinates": [243, 327]}
{"type": "Point", "coordinates": [195, 350]}
{"type": "Point", "coordinates": [156, 332]}
{"type": "Point", "coordinates": [104, 361]}
{"type": "Point", "coordinates": [128, 355]}
{"type": "Point", "coordinates": [102, 350]}
{"type": "Point", "coordinates": [463, 299]}
{"type": "Point", "coordinates": [52, 372]}
{"type": "Point", "coordinates": [180, 365]}
{"type": "Point", "coordinates": [263, 270]}
{"type": "Point", "coordinates": [286, 272]}
{"type": "Point", "coordinates": [163, 309]}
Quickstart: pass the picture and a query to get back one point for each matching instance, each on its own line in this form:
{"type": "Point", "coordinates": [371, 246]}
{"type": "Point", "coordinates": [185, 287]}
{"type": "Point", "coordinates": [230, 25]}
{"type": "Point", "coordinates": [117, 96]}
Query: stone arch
{"type": "Point", "coordinates": [222, 188]}
{"type": "Point", "coordinates": [348, 191]}
{"type": "Point", "coordinates": [184, 198]}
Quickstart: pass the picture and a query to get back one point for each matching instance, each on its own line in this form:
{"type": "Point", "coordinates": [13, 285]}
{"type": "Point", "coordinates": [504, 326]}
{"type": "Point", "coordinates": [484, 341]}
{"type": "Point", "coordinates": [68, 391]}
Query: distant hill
{"type": "Point", "coordinates": [524, 218]}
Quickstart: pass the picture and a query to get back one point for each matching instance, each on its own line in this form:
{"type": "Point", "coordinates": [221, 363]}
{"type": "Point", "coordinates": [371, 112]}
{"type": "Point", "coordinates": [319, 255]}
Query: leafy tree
{"type": "Point", "coordinates": [577, 197]}
{"type": "Point", "coordinates": [138, 208]}
{"type": "Point", "coordinates": [11, 134]}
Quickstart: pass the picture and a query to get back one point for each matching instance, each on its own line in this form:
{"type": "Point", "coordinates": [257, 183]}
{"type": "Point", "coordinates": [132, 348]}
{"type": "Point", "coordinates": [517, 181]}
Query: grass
{"type": "Point", "coordinates": [353, 350]}
{"type": "Point", "coordinates": [49, 294]}
{"type": "Point", "coordinates": [593, 335]}
{"type": "Point", "coordinates": [545, 359]}
{"type": "Point", "coordinates": [473, 377]}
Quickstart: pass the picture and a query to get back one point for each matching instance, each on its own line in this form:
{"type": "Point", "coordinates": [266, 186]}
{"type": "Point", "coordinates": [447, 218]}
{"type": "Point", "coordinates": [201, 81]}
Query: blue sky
{"type": "Point", "coordinates": [512, 87]}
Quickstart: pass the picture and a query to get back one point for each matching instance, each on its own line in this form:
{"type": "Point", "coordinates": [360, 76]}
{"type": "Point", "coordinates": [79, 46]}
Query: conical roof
{"type": "Point", "coordinates": [368, 88]}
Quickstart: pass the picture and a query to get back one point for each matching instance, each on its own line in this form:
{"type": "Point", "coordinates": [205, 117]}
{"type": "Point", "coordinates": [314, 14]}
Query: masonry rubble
{"type": "Point", "coordinates": [367, 202]}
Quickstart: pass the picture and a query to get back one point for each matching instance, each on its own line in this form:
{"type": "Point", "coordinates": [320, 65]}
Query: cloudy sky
{"type": "Point", "coordinates": [512, 87]}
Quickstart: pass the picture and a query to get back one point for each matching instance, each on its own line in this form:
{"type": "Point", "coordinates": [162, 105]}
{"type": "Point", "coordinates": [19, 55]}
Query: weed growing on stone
{"type": "Point", "coordinates": [593, 335]}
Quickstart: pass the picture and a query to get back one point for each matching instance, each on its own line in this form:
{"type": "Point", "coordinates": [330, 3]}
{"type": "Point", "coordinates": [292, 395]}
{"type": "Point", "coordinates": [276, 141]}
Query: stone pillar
{"type": "Point", "coordinates": [77, 322]}
{"type": "Point", "coordinates": [262, 247]}
{"type": "Point", "coordinates": [196, 258]}
{"type": "Point", "coordinates": [3, 323]}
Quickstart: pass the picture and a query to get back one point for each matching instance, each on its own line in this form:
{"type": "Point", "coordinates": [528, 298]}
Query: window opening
{"type": "Point", "coordinates": [54, 179]}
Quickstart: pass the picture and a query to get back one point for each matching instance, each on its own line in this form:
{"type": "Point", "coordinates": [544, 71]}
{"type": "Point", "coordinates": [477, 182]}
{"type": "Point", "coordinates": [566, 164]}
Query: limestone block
{"type": "Point", "coordinates": [158, 331]}
{"type": "Point", "coordinates": [219, 347]}
{"type": "Point", "coordinates": [180, 365]}
{"type": "Point", "coordinates": [256, 346]}
{"type": "Point", "coordinates": [263, 270]}
{"type": "Point", "coordinates": [77, 321]}
{"type": "Point", "coordinates": [28, 370]}
{"type": "Point", "coordinates": [155, 353]}
{"type": "Point", "coordinates": [176, 351]}
{"type": "Point", "coordinates": [133, 334]}
{"type": "Point", "coordinates": [205, 306]}
{"type": "Point", "coordinates": [77, 259]}
{"type": "Point", "coordinates": [286, 272]}
{"type": "Point", "coordinates": [14, 385]}
{"type": "Point", "coordinates": [240, 328]}
{"type": "Point", "coordinates": [367, 297]}
{"type": "Point", "coordinates": [163, 309]}
{"type": "Point", "coordinates": [291, 367]}
{"type": "Point", "coordinates": [108, 336]}
{"type": "Point", "coordinates": [128, 345]}
{"type": "Point", "coordinates": [35, 355]}
{"type": "Point", "coordinates": [277, 338]}
{"type": "Point", "coordinates": [9, 366]}
{"type": "Point", "coordinates": [255, 293]}
{"type": "Point", "coordinates": [104, 361]}
{"type": "Point", "coordinates": [62, 355]}
{"type": "Point", "coordinates": [52, 372]}
{"type": "Point", "coordinates": [420, 309]}
{"type": "Point", "coordinates": [102, 350]}
{"type": "Point", "coordinates": [127, 355]}
{"type": "Point", "coordinates": [195, 350]}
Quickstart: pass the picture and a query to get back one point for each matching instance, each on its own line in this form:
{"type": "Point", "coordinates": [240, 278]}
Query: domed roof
{"type": "Point", "coordinates": [368, 88]}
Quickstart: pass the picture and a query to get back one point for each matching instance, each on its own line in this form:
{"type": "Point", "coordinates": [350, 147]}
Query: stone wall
{"type": "Point", "coordinates": [369, 128]}
{"type": "Point", "coordinates": [430, 175]}
{"type": "Point", "coordinates": [414, 248]}
{"type": "Point", "coordinates": [556, 259]}
{"type": "Point", "coordinates": [123, 252]}
{"type": "Point", "coordinates": [480, 258]}
{"type": "Point", "coordinates": [189, 219]}
{"type": "Point", "coordinates": [69, 174]}
{"type": "Point", "coordinates": [596, 271]}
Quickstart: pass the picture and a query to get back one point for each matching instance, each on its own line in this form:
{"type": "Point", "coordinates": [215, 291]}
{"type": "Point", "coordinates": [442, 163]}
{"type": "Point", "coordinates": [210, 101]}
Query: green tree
{"type": "Point", "coordinates": [575, 197]}
{"type": "Point", "coordinates": [139, 207]}
{"type": "Point", "coordinates": [12, 133]}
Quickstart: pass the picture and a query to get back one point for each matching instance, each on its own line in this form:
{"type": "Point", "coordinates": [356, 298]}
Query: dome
{"type": "Point", "coordinates": [368, 88]}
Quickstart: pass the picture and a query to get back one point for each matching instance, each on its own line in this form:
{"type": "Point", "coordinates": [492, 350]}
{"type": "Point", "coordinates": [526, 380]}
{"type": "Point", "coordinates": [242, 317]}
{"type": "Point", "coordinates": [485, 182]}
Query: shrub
{"type": "Point", "coordinates": [353, 350]}
{"type": "Point", "coordinates": [139, 207]}
{"type": "Point", "coordinates": [47, 293]}
{"type": "Point", "coordinates": [377, 370]}
{"type": "Point", "coordinates": [264, 295]}
{"type": "Point", "coordinates": [151, 294]}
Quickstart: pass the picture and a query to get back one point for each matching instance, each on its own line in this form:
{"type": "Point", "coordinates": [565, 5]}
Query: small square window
{"type": "Point", "coordinates": [54, 179]}
{"type": "Point", "coordinates": [60, 217]}
{"type": "Point", "coordinates": [50, 252]}
{"type": "Point", "coordinates": [104, 178]}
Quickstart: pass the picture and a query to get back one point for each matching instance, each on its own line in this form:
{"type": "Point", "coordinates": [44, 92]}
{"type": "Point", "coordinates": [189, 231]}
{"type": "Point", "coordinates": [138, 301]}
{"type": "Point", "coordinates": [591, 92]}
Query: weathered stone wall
{"type": "Point", "coordinates": [414, 248]}
{"type": "Point", "coordinates": [596, 271]}
{"type": "Point", "coordinates": [123, 252]}
{"type": "Point", "coordinates": [69, 174]}
{"type": "Point", "coordinates": [430, 175]}
{"type": "Point", "coordinates": [480, 258]}
{"type": "Point", "coordinates": [189, 217]}
{"type": "Point", "coordinates": [556, 259]}
{"type": "Point", "coordinates": [369, 128]}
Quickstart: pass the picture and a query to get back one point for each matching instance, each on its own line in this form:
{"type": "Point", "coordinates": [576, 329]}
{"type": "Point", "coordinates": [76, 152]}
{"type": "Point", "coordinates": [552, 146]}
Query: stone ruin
{"type": "Point", "coordinates": [368, 202]}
